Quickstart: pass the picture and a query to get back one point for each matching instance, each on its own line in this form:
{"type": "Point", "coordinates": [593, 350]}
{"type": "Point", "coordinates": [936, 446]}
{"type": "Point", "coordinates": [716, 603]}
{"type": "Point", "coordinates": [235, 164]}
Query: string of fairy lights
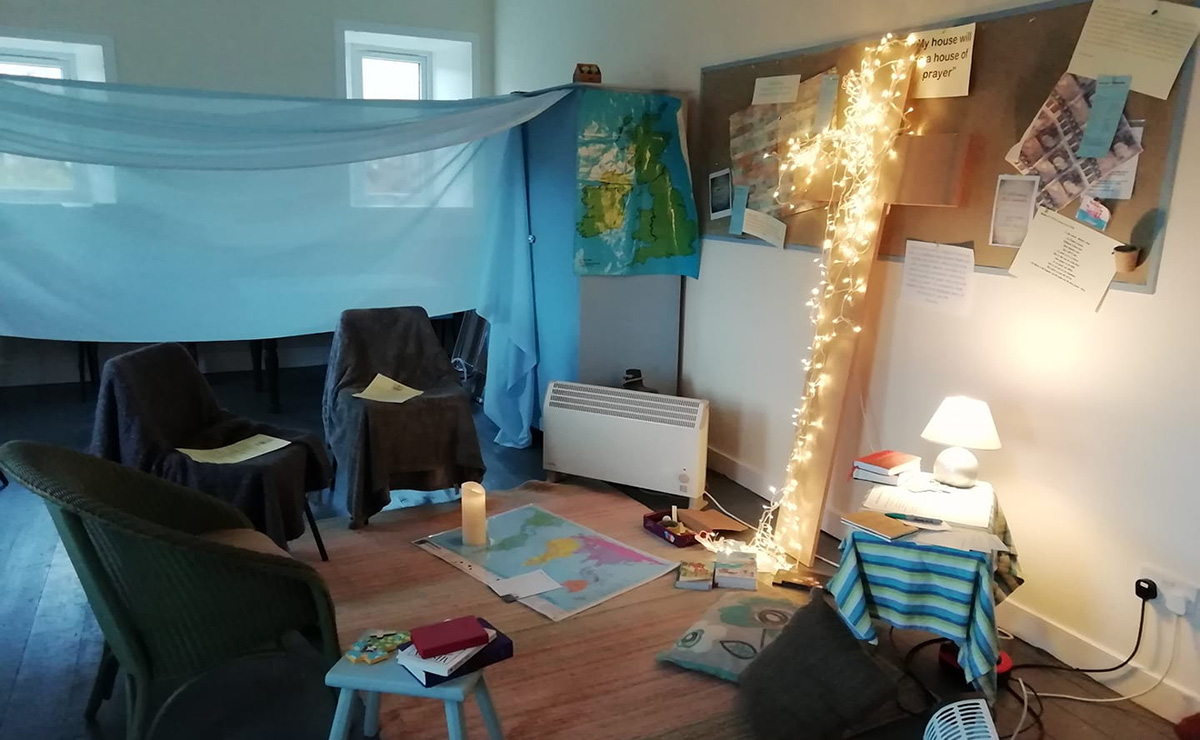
{"type": "Point", "coordinates": [853, 155]}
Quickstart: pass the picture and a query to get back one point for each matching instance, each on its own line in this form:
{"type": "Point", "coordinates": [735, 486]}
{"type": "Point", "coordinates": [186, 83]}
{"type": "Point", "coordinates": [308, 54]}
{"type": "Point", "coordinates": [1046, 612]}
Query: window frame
{"type": "Point", "coordinates": [92, 183]}
{"type": "Point", "coordinates": [357, 52]}
{"type": "Point", "coordinates": [356, 41]}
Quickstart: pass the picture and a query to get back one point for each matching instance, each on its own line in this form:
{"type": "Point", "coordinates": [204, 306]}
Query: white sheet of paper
{"type": "Point", "coordinates": [1146, 40]}
{"type": "Point", "coordinates": [946, 69]}
{"type": "Point", "coordinates": [382, 388]}
{"type": "Point", "coordinates": [1067, 258]}
{"type": "Point", "coordinates": [939, 276]}
{"type": "Point", "coordinates": [767, 228]}
{"type": "Point", "coordinates": [770, 90]}
{"type": "Point", "coordinates": [970, 507]}
{"type": "Point", "coordinates": [1012, 209]}
{"type": "Point", "coordinates": [960, 539]}
{"type": "Point", "coordinates": [250, 447]}
{"type": "Point", "coordinates": [1118, 184]}
{"type": "Point", "coordinates": [527, 584]}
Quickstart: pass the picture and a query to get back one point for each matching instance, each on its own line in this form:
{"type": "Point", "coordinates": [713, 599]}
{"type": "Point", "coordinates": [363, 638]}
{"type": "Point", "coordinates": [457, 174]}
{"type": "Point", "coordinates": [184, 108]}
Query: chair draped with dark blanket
{"type": "Point", "coordinates": [427, 443]}
{"type": "Point", "coordinates": [154, 400]}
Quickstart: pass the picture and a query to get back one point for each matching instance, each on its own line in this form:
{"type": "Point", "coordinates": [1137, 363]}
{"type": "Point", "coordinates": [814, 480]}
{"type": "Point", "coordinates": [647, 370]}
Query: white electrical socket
{"type": "Point", "coordinates": [1176, 593]}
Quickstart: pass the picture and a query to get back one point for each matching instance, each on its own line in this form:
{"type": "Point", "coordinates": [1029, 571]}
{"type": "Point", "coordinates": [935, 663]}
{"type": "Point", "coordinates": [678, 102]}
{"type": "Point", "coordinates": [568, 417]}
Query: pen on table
{"type": "Point", "coordinates": [911, 518]}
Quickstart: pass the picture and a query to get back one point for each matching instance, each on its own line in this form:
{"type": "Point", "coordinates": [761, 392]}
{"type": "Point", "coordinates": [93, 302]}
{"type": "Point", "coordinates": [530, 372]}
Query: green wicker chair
{"type": "Point", "coordinates": [172, 598]}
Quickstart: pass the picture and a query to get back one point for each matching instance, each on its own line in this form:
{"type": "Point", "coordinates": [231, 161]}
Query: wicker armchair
{"type": "Point", "coordinates": [172, 599]}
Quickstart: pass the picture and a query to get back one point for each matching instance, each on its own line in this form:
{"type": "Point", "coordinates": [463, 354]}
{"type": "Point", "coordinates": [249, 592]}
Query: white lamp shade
{"type": "Point", "coordinates": [963, 422]}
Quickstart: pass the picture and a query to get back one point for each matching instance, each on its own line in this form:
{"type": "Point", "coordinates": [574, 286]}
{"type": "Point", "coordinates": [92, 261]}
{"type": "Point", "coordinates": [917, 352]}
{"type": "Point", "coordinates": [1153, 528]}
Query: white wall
{"type": "Point", "coordinates": [1098, 413]}
{"type": "Point", "coordinates": [285, 47]}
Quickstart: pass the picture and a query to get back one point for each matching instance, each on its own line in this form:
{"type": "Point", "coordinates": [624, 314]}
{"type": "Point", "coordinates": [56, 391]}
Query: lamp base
{"type": "Point", "coordinates": [956, 466]}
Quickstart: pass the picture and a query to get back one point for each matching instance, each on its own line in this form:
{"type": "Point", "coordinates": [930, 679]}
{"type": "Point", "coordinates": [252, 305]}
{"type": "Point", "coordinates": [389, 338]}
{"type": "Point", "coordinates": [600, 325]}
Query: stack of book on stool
{"type": "Point", "coordinates": [446, 650]}
{"type": "Point", "coordinates": [886, 467]}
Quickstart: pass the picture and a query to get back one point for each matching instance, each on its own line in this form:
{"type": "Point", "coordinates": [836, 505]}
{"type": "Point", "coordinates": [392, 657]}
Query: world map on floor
{"type": "Point", "coordinates": [590, 567]}
{"type": "Point", "coordinates": [635, 214]}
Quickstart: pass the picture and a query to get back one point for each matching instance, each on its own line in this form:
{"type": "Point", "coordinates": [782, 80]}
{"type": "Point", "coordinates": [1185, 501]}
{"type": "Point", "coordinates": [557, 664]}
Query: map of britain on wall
{"type": "Point", "coordinates": [635, 214]}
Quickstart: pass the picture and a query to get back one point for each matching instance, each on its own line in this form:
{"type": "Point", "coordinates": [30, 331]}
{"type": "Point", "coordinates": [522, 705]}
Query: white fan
{"type": "Point", "coordinates": [963, 720]}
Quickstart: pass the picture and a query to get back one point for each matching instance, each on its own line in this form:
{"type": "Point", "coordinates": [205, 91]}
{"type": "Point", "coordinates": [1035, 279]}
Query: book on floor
{"type": "Point", "coordinates": [695, 576]}
{"type": "Point", "coordinates": [879, 524]}
{"type": "Point", "coordinates": [736, 570]}
{"type": "Point", "coordinates": [442, 665]}
{"type": "Point", "coordinates": [499, 649]}
{"type": "Point", "coordinates": [450, 636]}
{"type": "Point", "coordinates": [888, 462]}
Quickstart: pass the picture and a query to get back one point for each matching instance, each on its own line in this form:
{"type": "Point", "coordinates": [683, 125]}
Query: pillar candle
{"type": "Point", "coordinates": [474, 515]}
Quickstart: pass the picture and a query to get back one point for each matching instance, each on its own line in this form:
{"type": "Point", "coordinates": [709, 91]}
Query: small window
{"type": "Point", "coordinates": [31, 180]}
{"type": "Point", "coordinates": [403, 65]}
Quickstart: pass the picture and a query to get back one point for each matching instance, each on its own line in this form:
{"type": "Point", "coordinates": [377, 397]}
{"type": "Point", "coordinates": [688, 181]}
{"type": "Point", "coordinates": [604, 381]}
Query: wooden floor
{"type": "Point", "coordinates": [50, 643]}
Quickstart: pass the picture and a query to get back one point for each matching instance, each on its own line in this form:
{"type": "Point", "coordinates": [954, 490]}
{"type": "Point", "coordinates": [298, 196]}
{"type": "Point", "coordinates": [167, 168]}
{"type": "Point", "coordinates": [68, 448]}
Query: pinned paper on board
{"type": "Point", "coordinates": [1093, 213]}
{"type": "Point", "coordinates": [1108, 105]}
{"type": "Point", "coordinates": [1145, 40]}
{"type": "Point", "coordinates": [938, 276]}
{"type": "Point", "coordinates": [1066, 258]}
{"type": "Point", "coordinates": [720, 194]}
{"type": "Point", "coordinates": [768, 228]}
{"type": "Point", "coordinates": [737, 209]}
{"type": "Point", "coordinates": [1012, 210]}
{"type": "Point", "coordinates": [944, 62]}
{"type": "Point", "coordinates": [1118, 183]}
{"type": "Point", "coordinates": [774, 90]}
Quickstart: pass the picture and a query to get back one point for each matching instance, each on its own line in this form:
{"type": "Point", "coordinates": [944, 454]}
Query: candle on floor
{"type": "Point", "coordinates": [474, 515]}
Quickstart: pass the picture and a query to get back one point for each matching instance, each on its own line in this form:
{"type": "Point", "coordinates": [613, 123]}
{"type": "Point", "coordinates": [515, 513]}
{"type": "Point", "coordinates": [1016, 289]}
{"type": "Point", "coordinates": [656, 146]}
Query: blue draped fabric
{"type": "Point", "coordinates": [134, 214]}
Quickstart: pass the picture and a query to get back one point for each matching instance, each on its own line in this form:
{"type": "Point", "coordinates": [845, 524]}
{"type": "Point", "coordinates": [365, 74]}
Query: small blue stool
{"type": "Point", "coordinates": [389, 677]}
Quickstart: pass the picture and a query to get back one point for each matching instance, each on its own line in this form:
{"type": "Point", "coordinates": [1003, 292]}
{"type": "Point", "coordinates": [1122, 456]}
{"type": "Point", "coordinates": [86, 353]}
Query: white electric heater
{"type": "Point", "coordinates": [647, 440]}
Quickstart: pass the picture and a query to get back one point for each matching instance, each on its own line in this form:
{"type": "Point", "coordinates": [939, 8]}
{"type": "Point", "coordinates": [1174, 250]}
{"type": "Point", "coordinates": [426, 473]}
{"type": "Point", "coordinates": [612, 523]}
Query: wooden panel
{"type": "Point", "coordinates": [1017, 59]}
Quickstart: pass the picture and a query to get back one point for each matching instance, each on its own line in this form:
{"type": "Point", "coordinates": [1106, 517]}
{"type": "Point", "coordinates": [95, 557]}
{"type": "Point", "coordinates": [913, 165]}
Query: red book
{"type": "Point", "coordinates": [888, 462]}
{"type": "Point", "coordinates": [440, 638]}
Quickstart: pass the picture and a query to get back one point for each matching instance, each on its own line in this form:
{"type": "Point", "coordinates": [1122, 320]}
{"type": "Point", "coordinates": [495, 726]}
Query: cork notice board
{"type": "Point", "coordinates": [1018, 57]}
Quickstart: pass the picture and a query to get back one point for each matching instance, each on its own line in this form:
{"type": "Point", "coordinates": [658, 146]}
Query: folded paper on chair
{"type": "Point", "coordinates": [384, 389]}
{"type": "Point", "coordinates": [251, 447]}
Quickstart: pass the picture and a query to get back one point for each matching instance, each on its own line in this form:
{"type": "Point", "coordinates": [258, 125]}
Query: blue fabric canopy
{"type": "Point", "coordinates": [133, 214]}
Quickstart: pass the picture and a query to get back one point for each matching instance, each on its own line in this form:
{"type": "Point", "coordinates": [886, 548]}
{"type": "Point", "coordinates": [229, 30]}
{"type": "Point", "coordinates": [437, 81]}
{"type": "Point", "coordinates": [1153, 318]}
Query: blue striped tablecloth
{"type": "Point", "coordinates": [944, 591]}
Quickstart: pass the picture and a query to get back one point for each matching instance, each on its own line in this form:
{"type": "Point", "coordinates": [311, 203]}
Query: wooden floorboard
{"type": "Point", "coordinates": [50, 643]}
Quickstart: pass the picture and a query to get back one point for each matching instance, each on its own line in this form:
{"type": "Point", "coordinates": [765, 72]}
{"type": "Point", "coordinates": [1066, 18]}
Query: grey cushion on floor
{"type": "Point", "coordinates": [813, 681]}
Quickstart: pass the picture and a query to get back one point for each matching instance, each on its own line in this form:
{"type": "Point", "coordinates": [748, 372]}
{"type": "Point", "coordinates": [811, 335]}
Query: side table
{"type": "Point", "coordinates": [389, 677]}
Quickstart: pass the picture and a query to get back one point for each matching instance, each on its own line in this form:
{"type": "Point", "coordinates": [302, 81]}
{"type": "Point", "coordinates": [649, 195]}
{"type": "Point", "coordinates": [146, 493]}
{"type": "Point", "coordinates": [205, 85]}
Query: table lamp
{"type": "Point", "coordinates": [962, 423]}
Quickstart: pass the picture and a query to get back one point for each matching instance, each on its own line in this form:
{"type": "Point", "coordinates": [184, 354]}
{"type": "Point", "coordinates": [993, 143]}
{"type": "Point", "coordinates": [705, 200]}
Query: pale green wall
{"type": "Point", "coordinates": [285, 47]}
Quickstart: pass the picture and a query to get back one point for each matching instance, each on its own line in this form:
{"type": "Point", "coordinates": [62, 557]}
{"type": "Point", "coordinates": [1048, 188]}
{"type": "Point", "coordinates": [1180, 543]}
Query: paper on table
{"type": "Point", "coordinates": [1012, 210]}
{"type": "Point", "coordinates": [767, 228]}
{"type": "Point", "coordinates": [1118, 184]}
{"type": "Point", "coordinates": [737, 209]}
{"type": "Point", "coordinates": [1108, 105]}
{"type": "Point", "coordinates": [970, 507]}
{"type": "Point", "coordinates": [1067, 258]}
{"type": "Point", "coordinates": [938, 276]}
{"type": "Point", "coordinates": [250, 447]}
{"type": "Point", "coordinates": [527, 584]}
{"type": "Point", "coordinates": [959, 539]}
{"type": "Point", "coordinates": [946, 71]}
{"type": "Point", "coordinates": [1146, 40]}
{"type": "Point", "coordinates": [382, 388]}
{"type": "Point", "coordinates": [782, 89]}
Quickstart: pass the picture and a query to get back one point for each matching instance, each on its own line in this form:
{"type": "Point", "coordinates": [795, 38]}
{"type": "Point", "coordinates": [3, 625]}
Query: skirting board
{"type": "Point", "coordinates": [740, 473]}
{"type": "Point", "coordinates": [1169, 700]}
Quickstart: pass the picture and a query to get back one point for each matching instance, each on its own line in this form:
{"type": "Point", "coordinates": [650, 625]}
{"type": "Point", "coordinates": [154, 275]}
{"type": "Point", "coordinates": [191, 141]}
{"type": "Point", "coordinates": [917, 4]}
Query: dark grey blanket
{"type": "Point", "coordinates": [155, 399]}
{"type": "Point", "coordinates": [426, 443]}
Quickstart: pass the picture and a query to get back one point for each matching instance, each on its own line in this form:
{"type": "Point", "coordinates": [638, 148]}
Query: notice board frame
{"type": "Point", "coordinates": [1035, 44]}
